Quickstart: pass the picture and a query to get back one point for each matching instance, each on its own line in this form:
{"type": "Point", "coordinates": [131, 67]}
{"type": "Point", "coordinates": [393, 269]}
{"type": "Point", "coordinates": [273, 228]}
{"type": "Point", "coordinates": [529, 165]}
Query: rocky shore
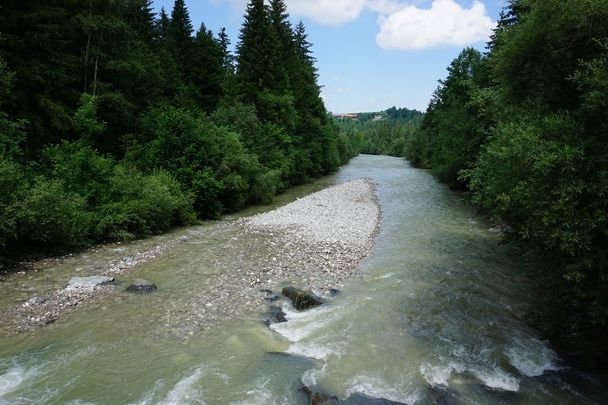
{"type": "Point", "coordinates": [314, 243]}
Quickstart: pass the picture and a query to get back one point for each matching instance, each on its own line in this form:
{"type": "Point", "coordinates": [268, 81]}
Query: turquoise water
{"type": "Point", "coordinates": [438, 309]}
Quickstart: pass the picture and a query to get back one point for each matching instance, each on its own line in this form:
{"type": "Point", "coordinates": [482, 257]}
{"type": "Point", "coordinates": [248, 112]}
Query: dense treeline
{"type": "Point", "coordinates": [118, 123]}
{"type": "Point", "coordinates": [525, 128]}
{"type": "Point", "coordinates": [382, 133]}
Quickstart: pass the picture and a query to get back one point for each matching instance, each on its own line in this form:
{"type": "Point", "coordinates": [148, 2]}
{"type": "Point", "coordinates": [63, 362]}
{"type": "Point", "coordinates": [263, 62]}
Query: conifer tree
{"type": "Point", "coordinates": [179, 36]}
{"type": "Point", "coordinates": [256, 53]}
{"type": "Point", "coordinates": [161, 28]}
{"type": "Point", "coordinates": [227, 57]}
{"type": "Point", "coordinates": [279, 19]}
{"type": "Point", "coordinates": [207, 68]}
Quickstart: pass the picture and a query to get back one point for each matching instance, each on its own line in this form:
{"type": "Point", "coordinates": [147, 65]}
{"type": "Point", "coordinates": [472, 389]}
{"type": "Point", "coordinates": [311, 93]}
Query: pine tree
{"type": "Point", "coordinates": [179, 36]}
{"type": "Point", "coordinates": [207, 68]}
{"type": "Point", "coordinates": [227, 57]}
{"type": "Point", "coordinates": [161, 28]}
{"type": "Point", "coordinates": [256, 53]}
{"type": "Point", "coordinates": [279, 19]}
{"type": "Point", "coordinates": [37, 44]}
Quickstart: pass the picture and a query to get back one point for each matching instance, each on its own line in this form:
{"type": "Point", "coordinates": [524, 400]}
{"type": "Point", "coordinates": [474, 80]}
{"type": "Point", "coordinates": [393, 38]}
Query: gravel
{"type": "Point", "coordinates": [314, 243]}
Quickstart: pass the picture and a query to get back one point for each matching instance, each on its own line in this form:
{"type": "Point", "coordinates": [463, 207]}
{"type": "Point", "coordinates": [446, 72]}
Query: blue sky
{"type": "Point", "coordinates": [372, 54]}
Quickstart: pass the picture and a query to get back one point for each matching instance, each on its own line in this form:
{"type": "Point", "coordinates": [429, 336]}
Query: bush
{"type": "Point", "coordinates": [49, 216]}
{"type": "Point", "coordinates": [138, 205]}
{"type": "Point", "coordinates": [12, 184]}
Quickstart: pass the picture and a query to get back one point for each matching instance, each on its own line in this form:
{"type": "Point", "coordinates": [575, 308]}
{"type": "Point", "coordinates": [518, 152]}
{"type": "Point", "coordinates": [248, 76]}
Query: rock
{"type": "Point", "coordinates": [301, 299]}
{"type": "Point", "coordinates": [89, 282]}
{"type": "Point", "coordinates": [36, 300]}
{"type": "Point", "coordinates": [143, 286]}
{"type": "Point", "coordinates": [275, 315]}
{"type": "Point", "coordinates": [442, 396]}
{"type": "Point", "coordinates": [333, 292]}
{"type": "Point", "coordinates": [270, 295]}
{"type": "Point", "coordinates": [317, 398]}
{"type": "Point", "coordinates": [361, 399]}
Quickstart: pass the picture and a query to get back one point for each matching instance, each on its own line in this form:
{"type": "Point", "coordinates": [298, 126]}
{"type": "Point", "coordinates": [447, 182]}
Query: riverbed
{"type": "Point", "coordinates": [439, 306]}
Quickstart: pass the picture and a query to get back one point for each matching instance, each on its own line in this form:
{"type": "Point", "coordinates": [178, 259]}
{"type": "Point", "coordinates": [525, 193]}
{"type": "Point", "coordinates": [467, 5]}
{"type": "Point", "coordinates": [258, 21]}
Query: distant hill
{"type": "Point", "coordinates": [392, 114]}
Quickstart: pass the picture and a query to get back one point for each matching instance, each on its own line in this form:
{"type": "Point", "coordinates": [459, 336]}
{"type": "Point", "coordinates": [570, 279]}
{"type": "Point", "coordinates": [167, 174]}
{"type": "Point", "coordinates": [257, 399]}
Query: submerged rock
{"type": "Point", "coordinates": [270, 295]}
{"type": "Point", "coordinates": [442, 396]}
{"type": "Point", "coordinates": [318, 398]}
{"type": "Point", "coordinates": [143, 286]}
{"type": "Point", "coordinates": [89, 282]}
{"type": "Point", "coordinates": [275, 315]}
{"type": "Point", "coordinates": [362, 399]}
{"type": "Point", "coordinates": [301, 299]}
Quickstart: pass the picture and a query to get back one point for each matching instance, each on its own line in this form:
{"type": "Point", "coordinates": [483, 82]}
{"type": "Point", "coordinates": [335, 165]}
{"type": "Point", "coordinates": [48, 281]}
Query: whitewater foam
{"type": "Point", "coordinates": [378, 388]}
{"type": "Point", "coordinates": [532, 358]}
{"type": "Point", "coordinates": [185, 391]}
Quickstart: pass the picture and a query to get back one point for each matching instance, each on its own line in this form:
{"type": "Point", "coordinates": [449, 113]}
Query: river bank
{"type": "Point", "coordinates": [315, 242]}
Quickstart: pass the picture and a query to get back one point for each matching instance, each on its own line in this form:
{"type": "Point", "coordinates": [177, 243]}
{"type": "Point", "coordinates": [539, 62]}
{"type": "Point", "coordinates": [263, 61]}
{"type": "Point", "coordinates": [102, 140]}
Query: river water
{"type": "Point", "coordinates": [437, 314]}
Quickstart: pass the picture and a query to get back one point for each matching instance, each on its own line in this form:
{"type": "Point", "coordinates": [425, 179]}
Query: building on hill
{"type": "Point", "coordinates": [347, 116]}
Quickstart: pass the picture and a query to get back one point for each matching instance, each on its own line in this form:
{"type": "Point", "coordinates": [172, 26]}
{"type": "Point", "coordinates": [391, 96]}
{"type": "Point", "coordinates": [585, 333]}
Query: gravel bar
{"type": "Point", "coordinates": [315, 242]}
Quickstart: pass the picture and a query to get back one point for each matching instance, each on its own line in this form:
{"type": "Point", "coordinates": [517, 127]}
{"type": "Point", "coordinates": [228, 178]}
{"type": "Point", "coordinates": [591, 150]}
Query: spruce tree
{"type": "Point", "coordinates": [227, 57]}
{"type": "Point", "coordinates": [207, 69]}
{"type": "Point", "coordinates": [256, 53]}
{"type": "Point", "coordinates": [161, 28]}
{"type": "Point", "coordinates": [179, 36]}
{"type": "Point", "coordinates": [279, 19]}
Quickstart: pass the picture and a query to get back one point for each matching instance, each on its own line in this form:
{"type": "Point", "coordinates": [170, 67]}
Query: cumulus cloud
{"type": "Point", "coordinates": [445, 23]}
{"type": "Point", "coordinates": [385, 6]}
{"type": "Point", "coordinates": [403, 25]}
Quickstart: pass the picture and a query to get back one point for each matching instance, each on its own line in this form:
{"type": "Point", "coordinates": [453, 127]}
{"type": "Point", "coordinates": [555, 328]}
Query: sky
{"type": "Point", "coordinates": [372, 54]}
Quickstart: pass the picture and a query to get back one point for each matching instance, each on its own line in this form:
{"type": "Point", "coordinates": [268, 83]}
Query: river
{"type": "Point", "coordinates": [440, 305]}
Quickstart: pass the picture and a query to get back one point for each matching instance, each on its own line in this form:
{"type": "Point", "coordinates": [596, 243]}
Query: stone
{"type": "Point", "coordinates": [442, 396]}
{"type": "Point", "coordinates": [317, 398]}
{"type": "Point", "coordinates": [142, 286]}
{"type": "Point", "coordinates": [89, 282]}
{"type": "Point", "coordinates": [36, 300]}
{"type": "Point", "coordinates": [301, 299]}
{"type": "Point", "coordinates": [274, 315]}
{"type": "Point", "coordinates": [361, 399]}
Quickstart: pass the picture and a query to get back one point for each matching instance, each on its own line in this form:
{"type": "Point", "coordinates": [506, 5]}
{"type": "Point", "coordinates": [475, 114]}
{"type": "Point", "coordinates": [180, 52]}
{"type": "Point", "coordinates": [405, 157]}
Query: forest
{"type": "Point", "coordinates": [118, 123]}
{"type": "Point", "coordinates": [524, 128]}
{"type": "Point", "coordinates": [382, 133]}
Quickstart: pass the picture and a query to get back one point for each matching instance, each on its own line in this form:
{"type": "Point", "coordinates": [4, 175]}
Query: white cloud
{"type": "Point", "coordinates": [385, 6]}
{"type": "Point", "coordinates": [445, 23]}
{"type": "Point", "coordinates": [327, 12]}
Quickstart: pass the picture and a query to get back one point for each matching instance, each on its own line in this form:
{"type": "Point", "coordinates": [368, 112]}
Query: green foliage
{"type": "Point", "coordinates": [525, 128]}
{"type": "Point", "coordinates": [85, 119]}
{"type": "Point", "coordinates": [137, 205]}
{"type": "Point", "coordinates": [116, 123]}
{"type": "Point", "coordinates": [12, 184]}
{"type": "Point", "coordinates": [49, 215]}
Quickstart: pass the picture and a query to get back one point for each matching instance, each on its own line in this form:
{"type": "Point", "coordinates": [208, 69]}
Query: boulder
{"type": "Point", "coordinates": [89, 282]}
{"type": "Point", "coordinates": [301, 299]}
{"type": "Point", "coordinates": [317, 398]}
{"type": "Point", "coordinates": [270, 295]}
{"type": "Point", "coordinates": [36, 300]}
{"type": "Point", "coordinates": [442, 396]}
{"type": "Point", "coordinates": [362, 399]}
{"type": "Point", "coordinates": [142, 286]}
{"type": "Point", "coordinates": [274, 315]}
